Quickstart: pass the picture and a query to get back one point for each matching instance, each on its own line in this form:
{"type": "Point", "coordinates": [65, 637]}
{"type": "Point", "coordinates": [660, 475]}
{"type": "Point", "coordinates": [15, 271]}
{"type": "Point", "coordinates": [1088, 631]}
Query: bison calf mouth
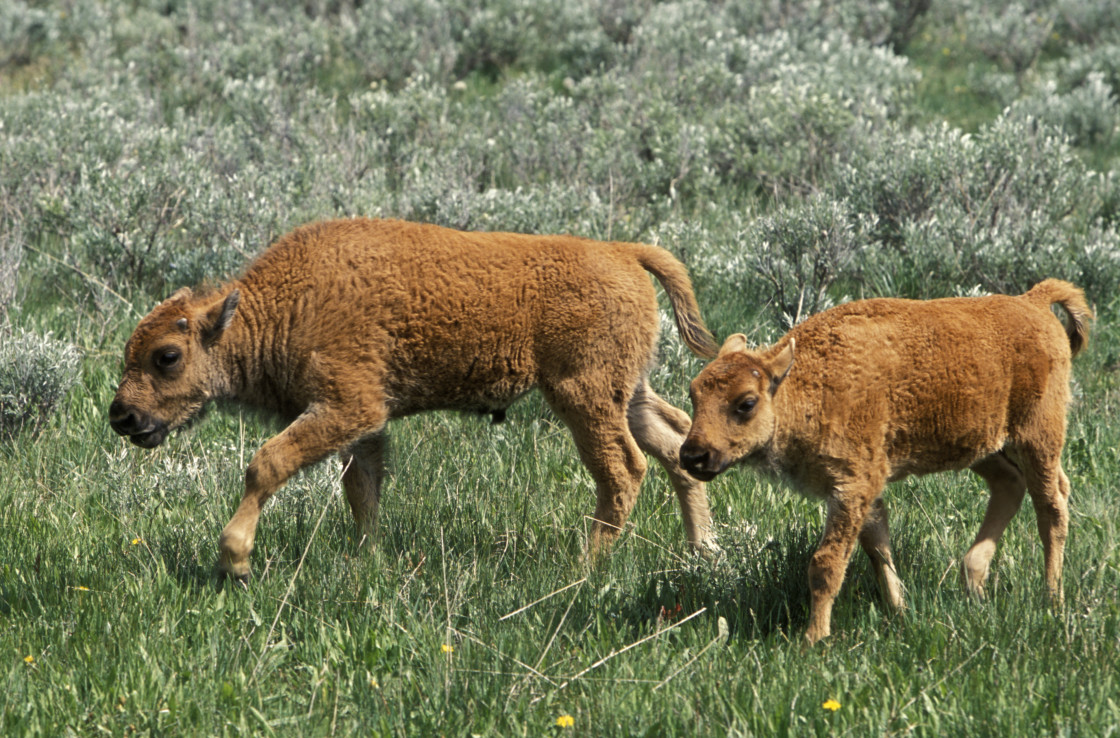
{"type": "Point", "coordinates": [149, 439]}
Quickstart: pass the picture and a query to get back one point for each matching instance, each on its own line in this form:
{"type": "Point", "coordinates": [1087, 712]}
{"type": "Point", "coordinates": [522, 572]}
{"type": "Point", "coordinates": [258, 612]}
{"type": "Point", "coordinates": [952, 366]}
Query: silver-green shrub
{"type": "Point", "coordinates": [1088, 114]}
{"type": "Point", "coordinates": [172, 141]}
{"type": "Point", "coordinates": [25, 31]}
{"type": "Point", "coordinates": [1100, 61]}
{"type": "Point", "coordinates": [1001, 209]}
{"type": "Point", "coordinates": [36, 371]}
{"type": "Point", "coordinates": [1012, 34]}
{"type": "Point", "coordinates": [1084, 21]}
{"type": "Point", "coordinates": [11, 253]}
{"type": "Point", "coordinates": [801, 250]}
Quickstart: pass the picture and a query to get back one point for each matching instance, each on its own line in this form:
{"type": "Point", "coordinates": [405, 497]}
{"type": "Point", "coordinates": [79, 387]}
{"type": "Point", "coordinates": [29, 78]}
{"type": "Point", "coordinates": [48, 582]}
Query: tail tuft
{"type": "Point", "coordinates": [1072, 300]}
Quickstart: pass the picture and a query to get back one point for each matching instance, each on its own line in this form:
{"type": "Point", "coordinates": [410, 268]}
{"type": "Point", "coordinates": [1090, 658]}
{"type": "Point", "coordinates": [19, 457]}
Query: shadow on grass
{"type": "Point", "coordinates": [193, 570]}
{"type": "Point", "coordinates": [760, 587]}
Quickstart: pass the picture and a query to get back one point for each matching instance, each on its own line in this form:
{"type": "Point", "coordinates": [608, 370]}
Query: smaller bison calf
{"type": "Point", "coordinates": [341, 326]}
{"type": "Point", "coordinates": [885, 388]}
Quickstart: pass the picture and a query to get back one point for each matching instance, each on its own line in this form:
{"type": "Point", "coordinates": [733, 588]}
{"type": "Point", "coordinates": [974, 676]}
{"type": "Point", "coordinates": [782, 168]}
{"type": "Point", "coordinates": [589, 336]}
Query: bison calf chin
{"type": "Point", "coordinates": [341, 326]}
{"type": "Point", "coordinates": [873, 391]}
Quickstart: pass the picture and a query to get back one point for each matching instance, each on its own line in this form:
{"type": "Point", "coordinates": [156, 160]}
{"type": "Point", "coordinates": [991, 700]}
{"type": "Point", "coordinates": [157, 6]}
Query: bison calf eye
{"type": "Point", "coordinates": [746, 406]}
{"type": "Point", "coordinates": [167, 359]}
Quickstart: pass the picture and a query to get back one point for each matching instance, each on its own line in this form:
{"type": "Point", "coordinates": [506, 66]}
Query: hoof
{"type": "Point", "coordinates": [708, 549]}
{"type": "Point", "coordinates": [237, 572]}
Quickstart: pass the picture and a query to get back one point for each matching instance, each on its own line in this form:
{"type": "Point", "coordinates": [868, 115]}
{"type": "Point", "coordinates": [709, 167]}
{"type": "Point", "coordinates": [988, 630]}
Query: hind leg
{"type": "Point", "coordinates": [1007, 486]}
{"type": "Point", "coordinates": [660, 429]}
{"type": "Point", "coordinates": [1049, 490]}
{"type": "Point", "coordinates": [875, 540]}
{"type": "Point", "coordinates": [609, 452]}
{"type": "Point", "coordinates": [365, 467]}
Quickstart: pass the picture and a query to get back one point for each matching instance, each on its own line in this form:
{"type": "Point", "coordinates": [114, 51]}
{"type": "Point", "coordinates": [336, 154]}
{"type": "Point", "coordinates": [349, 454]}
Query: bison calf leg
{"type": "Point", "coordinates": [1049, 490]}
{"type": "Point", "coordinates": [608, 451]}
{"type": "Point", "coordinates": [1007, 486]}
{"type": "Point", "coordinates": [848, 508]}
{"type": "Point", "coordinates": [617, 465]}
{"type": "Point", "coordinates": [365, 467]}
{"type": "Point", "coordinates": [875, 540]}
{"type": "Point", "coordinates": [316, 433]}
{"type": "Point", "coordinates": [660, 429]}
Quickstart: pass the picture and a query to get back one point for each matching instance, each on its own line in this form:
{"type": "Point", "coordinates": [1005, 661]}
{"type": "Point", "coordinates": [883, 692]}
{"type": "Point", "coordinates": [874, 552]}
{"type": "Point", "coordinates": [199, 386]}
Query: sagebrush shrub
{"type": "Point", "coordinates": [11, 253]}
{"type": "Point", "coordinates": [801, 250]}
{"type": "Point", "coordinates": [36, 371]}
{"type": "Point", "coordinates": [24, 32]}
{"type": "Point", "coordinates": [1012, 34]}
{"type": "Point", "coordinates": [190, 135]}
{"type": "Point", "coordinates": [1001, 209]}
{"type": "Point", "coordinates": [1088, 114]}
{"type": "Point", "coordinates": [1084, 21]}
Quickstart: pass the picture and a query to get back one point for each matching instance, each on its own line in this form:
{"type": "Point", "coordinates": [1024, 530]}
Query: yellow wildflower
{"type": "Point", "coordinates": [29, 659]}
{"type": "Point", "coordinates": [446, 648]}
{"type": "Point", "coordinates": [565, 721]}
{"type": "Point", "coordinates": [831, 705]}
{"type": "Point", "coordinates": [135, 541]}
{"type": "Point", "coordinates": [82, 588]}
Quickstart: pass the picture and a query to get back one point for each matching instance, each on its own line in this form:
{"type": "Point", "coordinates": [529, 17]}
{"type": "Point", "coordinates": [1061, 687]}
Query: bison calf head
{"type": "Point", "coordinates": [169, 373]}
{"type": "Point", "coordinates": [733, 407]}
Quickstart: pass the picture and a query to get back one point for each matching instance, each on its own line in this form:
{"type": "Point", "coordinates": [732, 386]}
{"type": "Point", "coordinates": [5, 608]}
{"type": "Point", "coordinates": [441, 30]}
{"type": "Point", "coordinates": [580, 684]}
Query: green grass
{"type": "Point", "coordinates": [944, 92]}
{"type": "Point", "coordinates": [106, 581]}
{"type": "Point", "coordinates": [112, 620]}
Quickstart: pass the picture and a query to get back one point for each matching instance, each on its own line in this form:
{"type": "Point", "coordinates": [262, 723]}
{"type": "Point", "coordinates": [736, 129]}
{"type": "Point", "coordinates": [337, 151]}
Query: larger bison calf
{"type": "Point", "coordinates": [881, 389]}
{"type": "Point", "coordinates": [341, 326]}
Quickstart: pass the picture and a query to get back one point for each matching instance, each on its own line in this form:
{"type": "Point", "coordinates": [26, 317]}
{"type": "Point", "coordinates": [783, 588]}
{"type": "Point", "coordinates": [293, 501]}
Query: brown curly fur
{"type": "Point", "coordinates": [872, 391]}
{"type": "Point", "coordinates": [342, 325]}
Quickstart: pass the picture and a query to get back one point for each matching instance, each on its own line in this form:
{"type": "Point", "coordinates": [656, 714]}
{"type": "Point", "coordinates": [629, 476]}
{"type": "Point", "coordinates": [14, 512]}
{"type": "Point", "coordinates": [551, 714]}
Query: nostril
{"type": "Point", "coordinates": [693, 458]}
{"type": "Point", "coordinates": [122, 419]}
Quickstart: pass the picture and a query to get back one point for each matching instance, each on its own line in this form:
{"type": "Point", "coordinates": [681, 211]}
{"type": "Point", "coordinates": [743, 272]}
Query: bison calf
{"type": "Point", "coordinates": [881, 389]}
{"type": "Point", "coordinates": [343, 325]}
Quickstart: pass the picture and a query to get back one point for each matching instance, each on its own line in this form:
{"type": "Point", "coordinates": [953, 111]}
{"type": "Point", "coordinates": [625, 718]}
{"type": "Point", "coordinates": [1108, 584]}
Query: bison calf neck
{"type": "Point", "coordinates": [881, 389]}
{"type": "Point", "coordinates": [342, 325]}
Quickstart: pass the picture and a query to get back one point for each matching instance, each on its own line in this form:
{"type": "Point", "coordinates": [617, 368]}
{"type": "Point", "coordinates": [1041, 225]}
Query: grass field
{"type": "Point", "coordinates": [148, 144]}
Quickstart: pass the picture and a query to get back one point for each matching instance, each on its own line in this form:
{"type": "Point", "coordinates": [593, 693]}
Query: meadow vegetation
{"type": "Point", "coordinates": [793, 154]}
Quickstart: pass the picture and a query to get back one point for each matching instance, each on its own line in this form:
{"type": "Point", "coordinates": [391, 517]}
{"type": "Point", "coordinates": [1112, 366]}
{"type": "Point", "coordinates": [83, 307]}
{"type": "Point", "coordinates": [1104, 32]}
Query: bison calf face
{"type": "Point", "coordinates": [168, 375]}
{"type": "Point", "coordinates": [733, 407]}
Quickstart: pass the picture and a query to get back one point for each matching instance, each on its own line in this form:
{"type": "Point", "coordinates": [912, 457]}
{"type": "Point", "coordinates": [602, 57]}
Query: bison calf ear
{"type": "Point", "coordinates": [734, 342]}
{"type": "Point", "coordinates": [183, 293]}
{"type": "Point", "coordinates": [780, 365]}
{"type": "Point", "coordinates": [219, 317]}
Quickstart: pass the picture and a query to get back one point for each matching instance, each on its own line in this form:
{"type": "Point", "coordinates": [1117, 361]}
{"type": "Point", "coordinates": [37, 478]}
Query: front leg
{"type": "Point", "coordinates": [848, 508]}
{"type": "Point", "coordinates": [312, 436]}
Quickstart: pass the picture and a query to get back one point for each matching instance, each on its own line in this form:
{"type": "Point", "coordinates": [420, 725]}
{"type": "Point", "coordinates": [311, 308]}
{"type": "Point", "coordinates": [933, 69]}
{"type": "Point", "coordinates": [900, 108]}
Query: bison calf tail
{"type": "Point", "coordinates": [1072, 300]}
{"type": "Point", "coordinates": [674, 278]}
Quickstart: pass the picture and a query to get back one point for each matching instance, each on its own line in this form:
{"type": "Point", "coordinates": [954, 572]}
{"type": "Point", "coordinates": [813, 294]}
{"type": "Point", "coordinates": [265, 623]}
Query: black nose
{"type": "Point", "coordinates": [693, 458]}
{"type": "Point", "coordinates": [123, 420]}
